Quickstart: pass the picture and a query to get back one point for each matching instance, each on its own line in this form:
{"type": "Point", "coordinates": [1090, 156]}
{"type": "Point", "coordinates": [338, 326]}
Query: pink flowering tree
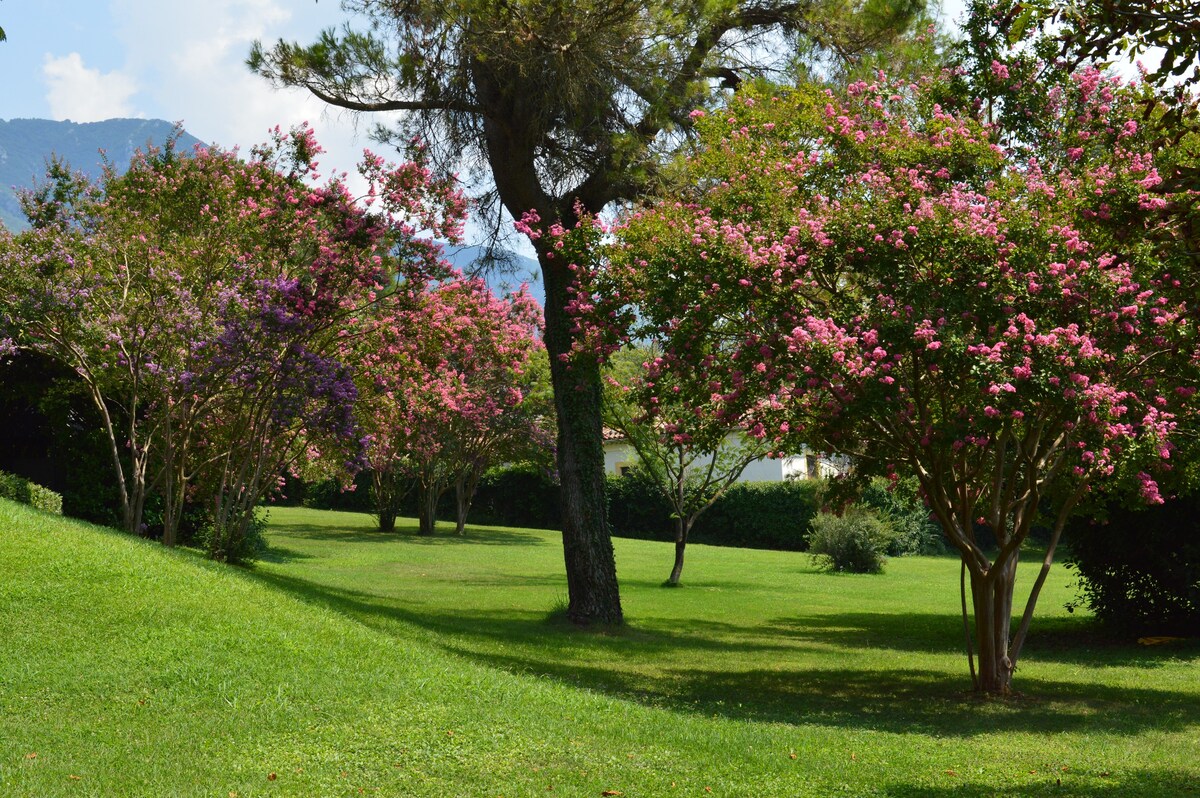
{"type": "Point", "coordinates": [203, 300]}
{"type": "Point", "coordinates": [446, 392]}
{"type": "Point", "coordinates": [871, 274]}
{"type": "Point", "coordinates": [692, 455]}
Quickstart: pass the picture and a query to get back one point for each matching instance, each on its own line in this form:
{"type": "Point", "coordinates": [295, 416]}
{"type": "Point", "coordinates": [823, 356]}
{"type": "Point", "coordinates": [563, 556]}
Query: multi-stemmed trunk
{"type": "Point", "coordinates": [131, 482]}
{"type": "Point", "coordinates": [992, 597]}
{"type": "Point", "coordinates": [465, 485]}
{"type": "Point", "coordinates": [430, 494]}
{"type": "Point", "coordinates": [992, 583]}
{"type": "Point", "coordinates": [386, 494]}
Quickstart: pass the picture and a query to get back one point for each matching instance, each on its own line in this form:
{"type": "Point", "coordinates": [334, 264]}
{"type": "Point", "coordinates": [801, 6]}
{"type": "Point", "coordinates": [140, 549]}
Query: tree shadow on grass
{"type": "Point", "coordinates": [893, 700]}
{"type": "Point", "coordinates": [369, 533]}
{"type": "Point", "coordinates": [1069, 784]}
{"type": "Point", "coordinates": [282, 554]}
{"type": "Point", "coordinates": [1063, 640]}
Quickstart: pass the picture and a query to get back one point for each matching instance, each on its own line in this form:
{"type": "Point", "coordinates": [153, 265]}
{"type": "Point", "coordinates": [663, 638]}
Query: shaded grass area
{"type": "Point", "coordinates": [762, 637]}
{"type": "Point", "coordinates": [351, 662]}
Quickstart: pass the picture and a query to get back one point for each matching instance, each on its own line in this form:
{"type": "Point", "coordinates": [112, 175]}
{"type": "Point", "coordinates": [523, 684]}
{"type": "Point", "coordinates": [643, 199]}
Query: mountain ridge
{"type": "Point", "coordinates": [27, 143]}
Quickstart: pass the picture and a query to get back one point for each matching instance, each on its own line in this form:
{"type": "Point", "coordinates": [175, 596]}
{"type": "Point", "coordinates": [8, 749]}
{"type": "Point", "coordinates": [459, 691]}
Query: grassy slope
{"type": "Point", "coordinates": [351, 660]}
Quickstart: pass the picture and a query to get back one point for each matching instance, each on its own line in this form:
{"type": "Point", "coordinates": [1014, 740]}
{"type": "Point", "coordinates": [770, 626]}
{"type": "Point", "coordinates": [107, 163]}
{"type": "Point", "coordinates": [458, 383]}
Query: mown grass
{"type": "Point", "coordinates": [349, 660]}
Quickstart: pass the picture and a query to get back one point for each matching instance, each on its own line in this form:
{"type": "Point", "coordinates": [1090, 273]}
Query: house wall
{"type": "Point", "coordinates": [618, 454]}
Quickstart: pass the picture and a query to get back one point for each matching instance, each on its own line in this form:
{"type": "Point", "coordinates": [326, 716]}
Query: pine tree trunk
{"type": "Point", "coordinates": [592, 590]}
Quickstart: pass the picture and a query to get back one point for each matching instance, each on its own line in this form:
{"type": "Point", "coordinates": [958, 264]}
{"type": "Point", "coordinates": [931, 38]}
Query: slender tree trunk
{"type": "Point", "coordinates": [592, 590]}
{"type": "Point", "coordinates": [682, 528]}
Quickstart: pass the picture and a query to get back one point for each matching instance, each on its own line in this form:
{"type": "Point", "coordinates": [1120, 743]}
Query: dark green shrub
{"type": "Point", "coordinates": [900, 505]}
{"type": "Point", "coordinates": [330, 495]}
{"type": "Point", "coordinates": [235, 542]}
{"type": "Point", "coordinates": [761, 515]}
{"type": "Point", "coordinates": [19, 489]}
{"type": "Point", "coordinates": [1139, 571]}
{"type": "Point", "coordinates": [637, 507]}
{"type": "Point", "coordinates": [52, 433]}
{"type": "Point", "coordinates": [854, 542]}
{"type": "Point", "coordinates": [519, 495]}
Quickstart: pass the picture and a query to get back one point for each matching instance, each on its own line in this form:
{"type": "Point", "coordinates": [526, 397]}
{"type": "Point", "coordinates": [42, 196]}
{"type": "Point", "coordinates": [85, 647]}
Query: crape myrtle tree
{"type": "Point", "coordinates": [442, 377]}
{"type": "Point", "coordinates": [203, 300]}
{"type": "Point", "coordinates": [878, 277]}
{"type": "Point", "coordinates": [691, 454]}
{"type": "Point", "coordinates": [562, 106]}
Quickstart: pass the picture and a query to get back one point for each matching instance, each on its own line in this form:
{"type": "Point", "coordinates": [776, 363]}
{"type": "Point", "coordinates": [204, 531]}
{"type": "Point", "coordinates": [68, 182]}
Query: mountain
{"type": "Point", "coordinates": [26, 144]}
{"type": "Point", "coordinates": [506, 272]}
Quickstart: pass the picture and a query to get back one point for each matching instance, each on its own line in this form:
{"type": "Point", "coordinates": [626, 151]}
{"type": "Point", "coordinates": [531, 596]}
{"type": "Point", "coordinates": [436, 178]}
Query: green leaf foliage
{"type": "Point", "coordinates": [21, 490]}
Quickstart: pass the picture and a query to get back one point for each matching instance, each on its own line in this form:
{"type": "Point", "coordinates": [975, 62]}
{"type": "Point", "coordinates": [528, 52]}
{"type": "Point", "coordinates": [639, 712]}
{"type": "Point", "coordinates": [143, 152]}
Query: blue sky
{"type": "Point", "coordinates": [88, 60]}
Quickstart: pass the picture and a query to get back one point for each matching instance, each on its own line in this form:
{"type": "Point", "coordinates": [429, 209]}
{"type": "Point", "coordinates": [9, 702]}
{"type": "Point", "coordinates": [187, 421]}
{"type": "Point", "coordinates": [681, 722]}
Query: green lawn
{"type": "Point", "coordinates": [353, 661]}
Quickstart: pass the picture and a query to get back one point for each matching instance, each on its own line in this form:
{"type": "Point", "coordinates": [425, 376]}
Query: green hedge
{"type": "Point", "coordinates": [762, 515]}
{"type": "Point", "coordinates": [753, 515]}
{"type": "Point", "coordinates": [21, 490]}
{"type": "Point", "coordinates": [637, 508]}
{"type": "Point", "coordinates": [520, 496]}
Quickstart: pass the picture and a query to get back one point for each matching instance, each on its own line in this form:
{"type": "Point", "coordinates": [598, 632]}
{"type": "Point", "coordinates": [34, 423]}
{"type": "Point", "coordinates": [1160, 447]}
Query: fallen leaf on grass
{"type": "Point", "coordinates": [951, 772]}
{"type": "Point", "coordinates": [792, 755]}
{"type": "Point", "coordinates": [271, 777]}
{"type": "Point", "coordinates": [853, 757]}
{"type": "Point", "coordinates": [73, 777]}
{"type": "Point", "coordinates": [31, 755]}
{"type": "Point", "coordinates": [612, 792]}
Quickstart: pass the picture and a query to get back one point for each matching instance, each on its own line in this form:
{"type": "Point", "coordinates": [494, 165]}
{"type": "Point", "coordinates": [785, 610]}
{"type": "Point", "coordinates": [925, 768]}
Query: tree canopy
{"type": "Point", "coordinates": [565, 107]}
{"type": "Point", "coordinates": [872, 273]}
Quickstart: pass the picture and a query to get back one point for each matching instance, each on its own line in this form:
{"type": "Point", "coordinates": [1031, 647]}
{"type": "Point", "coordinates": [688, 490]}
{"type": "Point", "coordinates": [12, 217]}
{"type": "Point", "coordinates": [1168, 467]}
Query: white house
{"type": "Point", "coordinates": [619, 456]}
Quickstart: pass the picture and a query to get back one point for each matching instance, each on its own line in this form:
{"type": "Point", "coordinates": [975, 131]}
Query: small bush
{"type": "Point", "coordinates": [240, 541]}
{"type": "Point", "coordinates": [854, 542]}
{"type": "Point", "coordinates": [913, 529]}
{"type": "Point", "coordinates": [21, 490]}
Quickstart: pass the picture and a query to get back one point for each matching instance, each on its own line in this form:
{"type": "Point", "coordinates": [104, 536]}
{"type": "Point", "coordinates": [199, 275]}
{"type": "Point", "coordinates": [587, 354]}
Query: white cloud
{"type": "Point", "coordinates": [86, 95]}
{"type": "Point", "coordinates": [191, 57]}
